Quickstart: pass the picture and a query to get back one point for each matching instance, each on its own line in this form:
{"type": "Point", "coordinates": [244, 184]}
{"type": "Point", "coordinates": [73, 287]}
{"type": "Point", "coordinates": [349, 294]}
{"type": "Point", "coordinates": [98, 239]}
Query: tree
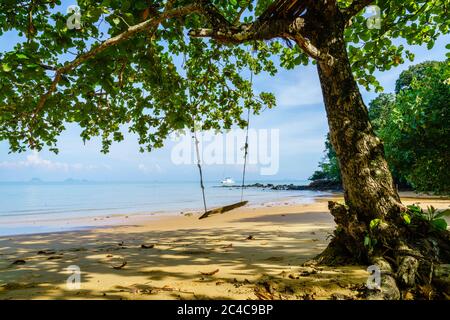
{"type": "Point", "coordinates": [414, 126]}
{"type": "Point", "coordinates": [124, 72]}
{"type": "Point", "coordinates": [329, 166]}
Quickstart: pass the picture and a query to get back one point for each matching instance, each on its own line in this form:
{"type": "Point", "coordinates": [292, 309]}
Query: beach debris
{"type": "Point", "coordinates": [307, 272]}
{"type": "Point", "coordinates": [54, 257]}
{"type": "Point", "coordinates": [189, 214]}
{"type": "Point", "coordinates": [275, 259]}
{"type": "Point", "coordinates": [228, 246]}
{"type": "Point", "coordinates": [17, 286]}
{"type": "Point", "coordinates": [237, 284]}
{"type": "Point", "coordinates": [135, 290]}
{"type": "Point", "coordinates": [118, 267]}
{"type": "Point", "coordinates": [46, 252]}
{"type": "Point", "coordinates": [19, 262]}
{"type": "Point", "coordinates": [77, 249]}
{"type": "Point", "coordinates": [120, 244]}
{"type": "Point", "coordinates": [223, 209]}
{"type": "Point", "coordinates": [262, 294]}
{"type": "Point", "coordinates": [210, 273]}
{"type": "Point", "coordinates": [250, 237]}
{"type": "Point", "coordinates": [308, 296]}
{"type": "Point", "coordinates": [109, 256]}
{"type": "Point", "coordinates": [340, 296]}
{"type": "Point", "coordinates": [196, 252]}
{"type": "Point", "coordinates": [147, 246]}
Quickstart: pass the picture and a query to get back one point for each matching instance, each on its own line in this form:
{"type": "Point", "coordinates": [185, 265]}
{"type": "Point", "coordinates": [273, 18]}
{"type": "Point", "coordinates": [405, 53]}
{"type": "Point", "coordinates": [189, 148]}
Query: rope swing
{"type": "Point", "coordinates": [233, 206]}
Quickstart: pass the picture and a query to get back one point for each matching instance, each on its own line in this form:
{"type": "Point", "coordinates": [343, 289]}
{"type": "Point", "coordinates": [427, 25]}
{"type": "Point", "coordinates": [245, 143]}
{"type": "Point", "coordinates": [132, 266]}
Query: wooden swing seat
{"type": "Point", "coordinates": [223, 209]}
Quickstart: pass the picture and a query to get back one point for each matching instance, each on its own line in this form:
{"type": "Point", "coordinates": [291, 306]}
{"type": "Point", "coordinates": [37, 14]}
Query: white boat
{"type": "Point", "coordinates": [228, 182]}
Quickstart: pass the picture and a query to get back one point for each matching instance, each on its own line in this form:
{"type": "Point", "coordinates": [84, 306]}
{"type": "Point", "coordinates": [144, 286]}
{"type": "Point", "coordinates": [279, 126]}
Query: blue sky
{"type": "Point", "coordinates": [299, 115]}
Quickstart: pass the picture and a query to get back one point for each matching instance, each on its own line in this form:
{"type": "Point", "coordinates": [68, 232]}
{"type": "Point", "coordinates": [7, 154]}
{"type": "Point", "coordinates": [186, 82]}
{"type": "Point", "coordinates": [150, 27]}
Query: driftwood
{"type": "Point", "coordinates": [211, 273]}
{"type": "Point", "coordinates": [120, 266]}
{"type": "Point", "coordinates": [223, 209]}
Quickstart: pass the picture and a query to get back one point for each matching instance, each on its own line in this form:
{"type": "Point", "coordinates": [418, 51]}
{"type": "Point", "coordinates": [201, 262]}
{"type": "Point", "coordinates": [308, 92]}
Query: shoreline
{"type": "Point", "coordinates": [93, 222]}
{"type": "Point", "coordinates": [80, 223]}
{"type": "Point", "coordinates": [235, 255]}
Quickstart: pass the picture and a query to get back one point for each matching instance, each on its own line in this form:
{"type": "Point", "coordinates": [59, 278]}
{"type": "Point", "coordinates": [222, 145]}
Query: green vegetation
{"type": "Point", "coordinates": [414, 126]}
{"type": "Point", "coordinates": [431, 215]}
{"type": "Point", "coordinates": [329, 166]}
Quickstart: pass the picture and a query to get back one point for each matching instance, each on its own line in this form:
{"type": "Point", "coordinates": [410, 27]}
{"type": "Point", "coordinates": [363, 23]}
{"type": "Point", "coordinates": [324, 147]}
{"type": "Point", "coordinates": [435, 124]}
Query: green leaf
{"type": "Point", "coordinates": [440, 224]}
{"type": "Point", "coordinates": [6, 67]}
{"type": "Point", "coordinates": [375, 223]}
{"type": "Point", "coordinates": [367, 241]}
{"type": "Point", "coordinates": [416, 210]}
{"type": "Point", "coordinates": [445, 213]}
{"type": "Point", "coordinates": [407, 218]}
{"type": "Point", "coordinates": [21, 56]}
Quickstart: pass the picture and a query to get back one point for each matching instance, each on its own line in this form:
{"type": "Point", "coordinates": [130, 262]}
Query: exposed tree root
{"type": "Point", "coordinates": [412, 258]}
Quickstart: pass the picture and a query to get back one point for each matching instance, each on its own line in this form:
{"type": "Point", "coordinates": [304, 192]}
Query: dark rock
{"type": "Point", "coordinates": [317, 185]}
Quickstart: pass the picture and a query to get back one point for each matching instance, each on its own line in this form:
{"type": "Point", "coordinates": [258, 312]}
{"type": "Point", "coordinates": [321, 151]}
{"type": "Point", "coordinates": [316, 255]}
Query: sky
{"type": "Point", "coordinates": [299, 118]}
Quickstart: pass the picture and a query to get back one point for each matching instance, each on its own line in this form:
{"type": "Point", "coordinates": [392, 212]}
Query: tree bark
{"type": "Point", "coordinates": [368, 184]}
{"type": "Point", "coordinates": [405, 256]}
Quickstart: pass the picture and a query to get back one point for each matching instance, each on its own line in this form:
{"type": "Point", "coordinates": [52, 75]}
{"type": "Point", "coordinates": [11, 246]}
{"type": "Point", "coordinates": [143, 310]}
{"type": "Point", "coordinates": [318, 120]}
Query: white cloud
{"type": "Point", "coordinates": [293, 88]}
{"type": "Point", "coordinates": [34, 160]}
{"type": "Point", "coordinates": [302, 91]}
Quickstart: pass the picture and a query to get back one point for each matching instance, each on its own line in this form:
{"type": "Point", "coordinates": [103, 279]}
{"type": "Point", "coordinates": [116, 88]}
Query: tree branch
{"type": "Point", "coordinates": [148, 24]}
{"type": "Point", "coordinates": [264, 28]}
{"type": "Point", "coordinates": [355, 7]}
{"type": "Point", "coordinates": [309, 48]}
{"type": "Point", "coordinates": [251, 31]}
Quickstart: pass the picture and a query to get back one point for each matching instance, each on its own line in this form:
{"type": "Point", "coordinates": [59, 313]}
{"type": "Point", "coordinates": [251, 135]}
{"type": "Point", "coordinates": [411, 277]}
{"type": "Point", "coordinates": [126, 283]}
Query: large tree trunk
{"type": "Point", "coordinates": [406, 257]}
{"type": "Point", "coordinates": [368, 184]}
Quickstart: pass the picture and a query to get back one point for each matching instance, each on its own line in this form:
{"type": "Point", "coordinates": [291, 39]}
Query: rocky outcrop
{"type": "Point", "coordinates": [317, 185]}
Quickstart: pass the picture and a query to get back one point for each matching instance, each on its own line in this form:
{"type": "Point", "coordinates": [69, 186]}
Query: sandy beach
{"type": "Point", "coordinates": [248, 253]}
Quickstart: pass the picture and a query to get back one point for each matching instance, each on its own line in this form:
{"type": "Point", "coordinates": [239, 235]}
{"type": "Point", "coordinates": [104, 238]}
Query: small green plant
{"type": "Point", "coordinates": [432, 215]}
{"type": "Point", "coordinates": [374, 223]}
{"type": "Point", "coordinates": [407, 218]}
{"type": "Point", "coordinates": [369, 242]}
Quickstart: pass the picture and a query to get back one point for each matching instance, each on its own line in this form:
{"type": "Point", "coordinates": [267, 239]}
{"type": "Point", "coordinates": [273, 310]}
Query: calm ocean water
{"type": "Point", "coordinates": [36, 207]}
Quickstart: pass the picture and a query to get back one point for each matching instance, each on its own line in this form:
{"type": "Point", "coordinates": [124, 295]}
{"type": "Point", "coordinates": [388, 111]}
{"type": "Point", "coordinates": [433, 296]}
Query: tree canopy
{"type": "Point", "coordinates": [415, 127]}
{"type": "Point", "coordinates": [152, 67]}
{"type": "Point", "coordinates": [413, 124]}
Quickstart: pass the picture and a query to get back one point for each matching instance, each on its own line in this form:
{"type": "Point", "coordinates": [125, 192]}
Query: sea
{"type": "Point", "coordinates": [40, 207]}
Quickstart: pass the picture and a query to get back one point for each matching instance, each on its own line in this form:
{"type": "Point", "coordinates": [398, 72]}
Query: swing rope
{"type": "Point", "coordinates": [197, 149]}
{"type": "Point", "coordinates": [245, 155]}
{"type": "Point", "coordinates": [199, 165]}
{"type": "Point", "coordinates": [246, 143]}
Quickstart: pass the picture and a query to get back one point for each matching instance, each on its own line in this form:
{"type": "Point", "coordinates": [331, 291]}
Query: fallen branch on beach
{"type": "Point", "coordinates": [120, 266]}
{"type": "Point", "coordinates": [210, 273]}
